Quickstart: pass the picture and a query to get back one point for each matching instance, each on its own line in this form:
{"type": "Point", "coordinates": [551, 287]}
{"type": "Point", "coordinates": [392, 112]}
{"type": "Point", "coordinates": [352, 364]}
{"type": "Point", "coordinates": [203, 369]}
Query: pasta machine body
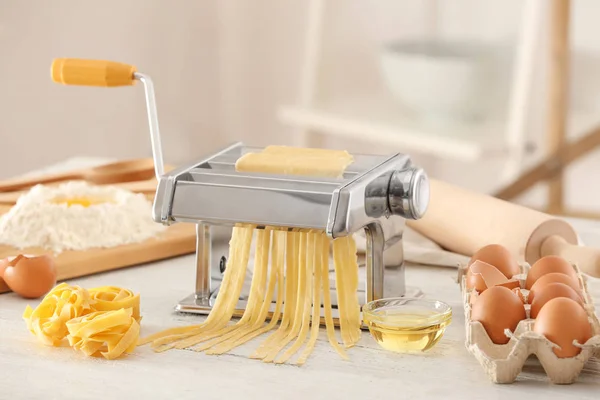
{"type": "Point", "coordinates": [376, 194]}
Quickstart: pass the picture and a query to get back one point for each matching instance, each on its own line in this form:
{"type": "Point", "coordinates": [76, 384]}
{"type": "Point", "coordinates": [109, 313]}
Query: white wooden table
{"type": "Point", "coordinates": [29, 370]}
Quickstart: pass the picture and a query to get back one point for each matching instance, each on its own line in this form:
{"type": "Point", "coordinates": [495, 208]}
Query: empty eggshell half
{"type": "Point", "coordinates": [30, 277]}
{"type": "Point", "coordinates": [482, 275]}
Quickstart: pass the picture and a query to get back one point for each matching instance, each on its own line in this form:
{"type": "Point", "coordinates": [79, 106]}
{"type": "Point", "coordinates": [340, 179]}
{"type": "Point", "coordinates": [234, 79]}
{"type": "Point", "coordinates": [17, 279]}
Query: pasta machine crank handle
{"type": "Point", "coordinates": [100, 73]}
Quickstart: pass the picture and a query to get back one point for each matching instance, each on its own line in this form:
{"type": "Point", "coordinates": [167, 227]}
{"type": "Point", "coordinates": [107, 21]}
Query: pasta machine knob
{"type": "Point", "coordinates": [408, 193]}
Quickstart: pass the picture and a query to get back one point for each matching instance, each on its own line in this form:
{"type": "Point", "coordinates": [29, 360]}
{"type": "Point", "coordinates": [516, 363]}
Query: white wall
{"type": "Point", "coordinates": [42, 122]}
{"type": "Point", "coordinates": [221, 70]}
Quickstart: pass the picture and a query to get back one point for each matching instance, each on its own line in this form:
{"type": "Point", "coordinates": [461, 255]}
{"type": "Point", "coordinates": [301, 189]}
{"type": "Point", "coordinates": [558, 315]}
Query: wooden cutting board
{"type": "Point", "coordinates": [176, 240]}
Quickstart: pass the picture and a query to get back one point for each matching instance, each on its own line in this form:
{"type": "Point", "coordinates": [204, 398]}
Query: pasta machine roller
{"type": "Point", "coordinates": [376, 193]}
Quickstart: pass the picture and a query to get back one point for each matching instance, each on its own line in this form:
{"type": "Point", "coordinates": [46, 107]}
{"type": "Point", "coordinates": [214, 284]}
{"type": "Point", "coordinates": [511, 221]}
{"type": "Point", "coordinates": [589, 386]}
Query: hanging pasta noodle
{"type": "Point", "coordinates": [291, 289]}
{"type": "Point", "coordinates": [257, 294]}
{"type": "Point", "coordinates": [292, 330]}
{"type": "Point", "coordinates": [346, 287]}
{"type": "Point", "coordinates": [316, 306]}
{"type": "Point", "coordinates": [298, 278]}
{"type": "Point", "coordinates": [227, 298]}
{"type": "Point", "coordinates": [305, 283]}
{"type": "Point", "coordinates": [327, 301]}
{"type": "Point", "coordinates": [277, 278]}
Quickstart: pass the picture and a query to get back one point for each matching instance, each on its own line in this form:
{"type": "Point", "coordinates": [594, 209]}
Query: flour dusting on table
{"type": "Point", "coordinates": [78, 216]}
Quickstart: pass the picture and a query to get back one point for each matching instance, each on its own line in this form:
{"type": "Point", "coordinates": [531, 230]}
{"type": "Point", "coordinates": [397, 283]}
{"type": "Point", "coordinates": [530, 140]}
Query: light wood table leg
{"type": "Point", "coordinates": [558, 95]}
{"type": "Point", "coordinates": [552, 165]}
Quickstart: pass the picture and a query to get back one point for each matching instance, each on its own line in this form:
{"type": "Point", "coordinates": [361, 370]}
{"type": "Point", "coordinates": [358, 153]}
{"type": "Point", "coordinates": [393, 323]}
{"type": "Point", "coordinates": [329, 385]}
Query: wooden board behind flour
{"type": "Point", "coordinates": [176, 240]}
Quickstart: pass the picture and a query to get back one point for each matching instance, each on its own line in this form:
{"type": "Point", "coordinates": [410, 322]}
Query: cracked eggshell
{"type": "Point", "coordinates": [29, 276]}
{"type": "Point", "coordinates": [482, 275]}
{"type": "Point", "coordinates": [498, 256]}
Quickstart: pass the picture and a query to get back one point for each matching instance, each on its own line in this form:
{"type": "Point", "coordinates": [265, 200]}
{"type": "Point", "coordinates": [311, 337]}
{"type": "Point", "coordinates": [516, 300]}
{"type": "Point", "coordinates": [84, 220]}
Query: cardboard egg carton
{"type": "Point", "coordinates": [504, 362]}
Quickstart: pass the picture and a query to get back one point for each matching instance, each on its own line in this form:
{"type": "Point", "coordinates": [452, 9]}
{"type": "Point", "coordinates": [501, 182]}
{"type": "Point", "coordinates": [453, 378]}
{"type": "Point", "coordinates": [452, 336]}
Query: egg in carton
{"type": "Point", "coordinates": [504, 362]}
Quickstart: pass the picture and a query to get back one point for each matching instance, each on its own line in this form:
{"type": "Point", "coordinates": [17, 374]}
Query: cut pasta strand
{"type": "Point", "coordinates": [289, 307]}
{"type": "Point", "coordinates": [256, 297]}
{"type": "Point", "coordinates": [316, 307]}
{"type": "Point", "coordinates": [327, 302]}
{"type": "Point", "coordinates": [309, 274]}
{"type": "Point", "coordinates": [233, 279]}
{"type": "Point", "coordinates": [351, 309]}
{"type": "Point", "coordinates": [340, 289]}
{"type": "Point", "coordinates": [276, 279]}
{"type": "Point", "coordinates": [294, 330]}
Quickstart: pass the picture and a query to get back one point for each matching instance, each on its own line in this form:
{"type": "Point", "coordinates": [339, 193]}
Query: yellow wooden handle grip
{"type": "Point", "coordinates": [74, 71]}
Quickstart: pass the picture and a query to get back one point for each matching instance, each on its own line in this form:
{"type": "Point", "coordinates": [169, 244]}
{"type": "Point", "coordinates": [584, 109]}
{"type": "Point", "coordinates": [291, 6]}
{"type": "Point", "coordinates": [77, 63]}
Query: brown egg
{"type": "Point", "coordinates": [561, 321]}
{"type": "Point", "coordinates": [30, 277]}
{"type": "Point", "coordinates": [553, 277]}
{"type": "Point", "coordinates": [546, 265]}
{"type": "Point", "coordinates": [498, 308]}
{"type": "Point", "coordinates": [498, 256]}
{"type": "Point", "coordinates": [552, 291]}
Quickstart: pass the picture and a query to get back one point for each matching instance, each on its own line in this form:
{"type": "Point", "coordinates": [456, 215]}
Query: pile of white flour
{"type": "Point", "coordinates": [40, 219]}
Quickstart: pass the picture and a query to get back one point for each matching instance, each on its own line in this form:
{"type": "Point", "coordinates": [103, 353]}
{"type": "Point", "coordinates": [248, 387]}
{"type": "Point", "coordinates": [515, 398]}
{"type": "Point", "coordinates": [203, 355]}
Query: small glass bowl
{"type": "Point", "coordinates": [404, 324]}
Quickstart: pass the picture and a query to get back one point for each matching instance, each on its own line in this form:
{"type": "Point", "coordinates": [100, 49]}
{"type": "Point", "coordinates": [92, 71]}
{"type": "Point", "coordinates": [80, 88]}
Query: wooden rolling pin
{"type": "Point", "coordinates": [463, 221]}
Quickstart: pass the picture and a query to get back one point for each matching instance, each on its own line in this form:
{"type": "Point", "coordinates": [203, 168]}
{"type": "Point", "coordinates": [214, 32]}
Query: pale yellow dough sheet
{"type": "Point", "coordinates": [284, 160]}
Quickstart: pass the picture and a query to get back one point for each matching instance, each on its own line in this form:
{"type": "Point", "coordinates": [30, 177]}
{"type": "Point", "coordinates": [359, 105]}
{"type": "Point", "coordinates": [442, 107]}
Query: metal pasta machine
{"type": "Point", "coordinates": [376, 194]}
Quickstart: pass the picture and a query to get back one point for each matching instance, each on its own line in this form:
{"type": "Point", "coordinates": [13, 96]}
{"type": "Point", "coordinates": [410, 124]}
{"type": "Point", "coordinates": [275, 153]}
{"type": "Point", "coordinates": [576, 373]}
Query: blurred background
{"type": "Point", "coordinates": [463, 86]}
